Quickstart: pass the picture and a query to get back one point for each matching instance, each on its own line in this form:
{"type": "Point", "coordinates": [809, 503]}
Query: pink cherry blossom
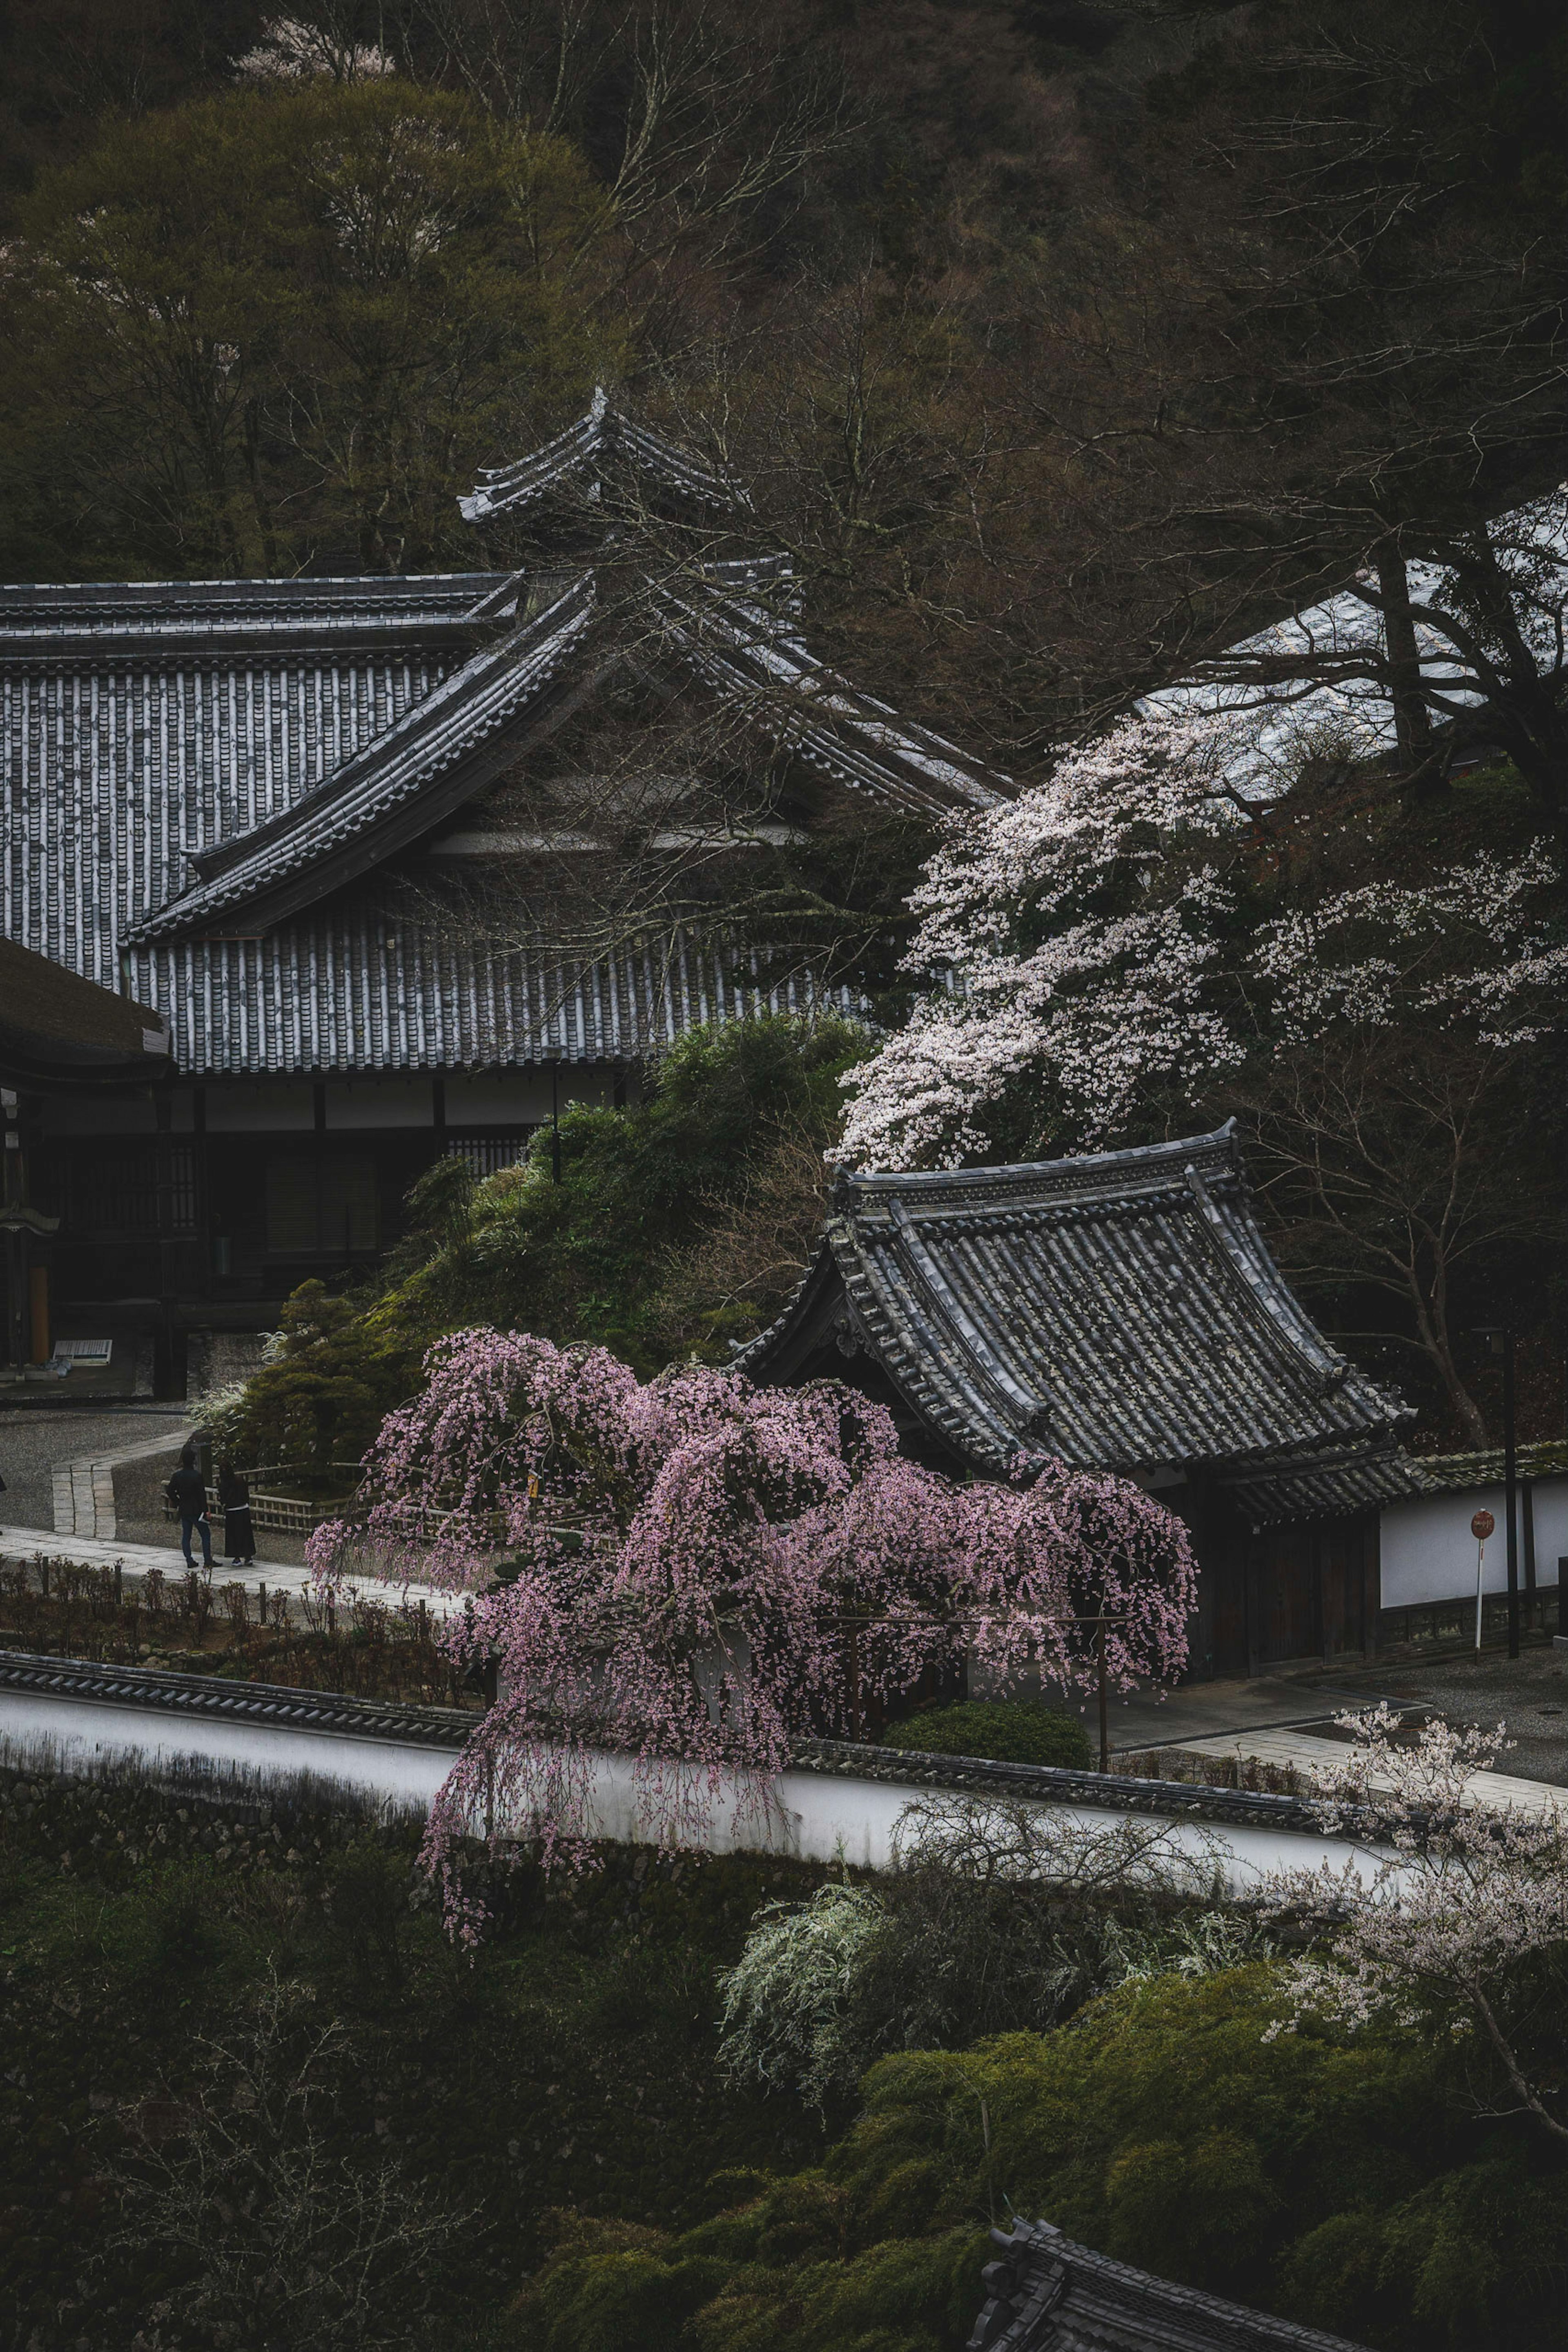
{"type": "Point", "coordinates": [697, 1574]}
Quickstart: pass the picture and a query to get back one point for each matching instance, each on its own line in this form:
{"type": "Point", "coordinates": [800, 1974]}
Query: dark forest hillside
{"type": "Point", "coordinates": [1060, 343]}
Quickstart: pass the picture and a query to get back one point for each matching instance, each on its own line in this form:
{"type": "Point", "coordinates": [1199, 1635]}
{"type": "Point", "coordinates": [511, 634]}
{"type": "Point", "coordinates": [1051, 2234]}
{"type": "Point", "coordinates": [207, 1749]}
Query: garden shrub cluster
{"type": "Point", "coordinates": [1338, 2183]}
{"type": "Point", "coordinates": [1006, 1730]}
{"type": "Point", "coordinates": [679, 1225]}
{"type": "Point", "coordinates": [158, 1943]}
{"type": "Point", "coordinates": [217, 1999]}
{"type": "Point", "coordinates": [998, 1917]}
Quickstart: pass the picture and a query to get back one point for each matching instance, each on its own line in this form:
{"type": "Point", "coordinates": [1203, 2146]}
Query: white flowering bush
{"type": "Point", "coordinates": [292, 50]}
{"type": "Point", "coordinates": [1449, 1935]}
{"type": "Point", "coordinates": [1083, 928]}
{"type": "Point", "coordinates": [786, 2018]}
{"type": "Point", "coordinates": [997, 1916]}
{"type": "Point", "coordinates": [222, 1415]}
{"type": "Point", "coordinates": [1473, 947]}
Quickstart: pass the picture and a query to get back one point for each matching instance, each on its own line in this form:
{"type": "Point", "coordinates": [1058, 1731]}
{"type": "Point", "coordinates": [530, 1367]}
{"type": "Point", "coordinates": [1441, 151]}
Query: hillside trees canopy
{"type": "Point", "coordinates": [1065, 348]}
{"type": "Point", "coordinates": [1142, 357]}
{"type": "Point", "coordinates": [276, 330]}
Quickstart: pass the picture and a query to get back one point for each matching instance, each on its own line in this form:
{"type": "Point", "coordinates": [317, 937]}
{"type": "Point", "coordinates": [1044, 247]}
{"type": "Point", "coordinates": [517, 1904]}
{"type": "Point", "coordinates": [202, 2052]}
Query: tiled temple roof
{"type": "Point", "coordinates": [1453, 1473]}
{"type": "Point", "coordinates": [1046, 2295]}
{"type": "Point", "coordinates": [1122, 1311]}
{"type": "Point", "coordinates": [356, 988]}
{"type": "Point", "coordinates": [456, 737]}
{"type": "Point", "coordinates": [438, 753]}
{"type": "Point", "coordinates": [111, 772]}
{"type": "Point", "coordinates": [199, 778]}
{"type": "Point", "coordinates": [744, 650]}
{"type": "Point", "coordinates": [105, 621]}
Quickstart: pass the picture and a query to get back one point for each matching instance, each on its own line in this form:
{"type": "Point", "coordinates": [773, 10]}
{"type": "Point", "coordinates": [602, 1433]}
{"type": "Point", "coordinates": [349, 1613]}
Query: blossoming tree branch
{"type": "Point", "coordinates": [1111, 953]}
{"type": "Point", "coordinates": [1114, 957]}
{"type": "Point", "coordinates": [695, 1572]}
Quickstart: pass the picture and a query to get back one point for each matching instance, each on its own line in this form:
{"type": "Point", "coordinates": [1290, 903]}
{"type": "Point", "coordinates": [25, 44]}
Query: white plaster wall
{"type": "Point", "coordinates": [817, 1817]}
{"type": "Point", "coordinates": [376, 1102]}
{"type": "Point", "coordinates": [814, 1817]}
{"type": "Point", "coordinates": [82, 1731]}
{"type": "Point", "coordinates": [1428, 1551]}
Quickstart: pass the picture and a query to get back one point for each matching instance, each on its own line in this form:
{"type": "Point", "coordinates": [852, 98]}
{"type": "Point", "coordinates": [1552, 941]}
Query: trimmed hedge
{"type": "Point", "coordinates": [1001, 1730]}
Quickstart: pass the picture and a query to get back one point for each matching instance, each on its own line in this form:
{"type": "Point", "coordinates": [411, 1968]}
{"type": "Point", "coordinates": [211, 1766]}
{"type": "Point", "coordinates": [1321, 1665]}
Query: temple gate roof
{"type": "Point", "coordinates": [1121, 1311]}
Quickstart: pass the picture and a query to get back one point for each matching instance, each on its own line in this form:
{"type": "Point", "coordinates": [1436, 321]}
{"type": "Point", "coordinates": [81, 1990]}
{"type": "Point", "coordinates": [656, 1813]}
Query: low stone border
{"type": "Point", "coordinates": [163, 1692]}
{"type": "Point", "coordinates": [214, 1696]}
{"type": "Point", "coordinates": [1048, 1783]}
{"type": "Point", "coordinates": [83, 1490]}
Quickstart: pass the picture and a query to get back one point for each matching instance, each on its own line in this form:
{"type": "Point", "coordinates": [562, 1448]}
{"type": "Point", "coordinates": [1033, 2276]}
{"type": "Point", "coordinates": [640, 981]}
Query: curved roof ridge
{"type": "Point", "coordinates": [603, 430]}
{"type": "Point", "coordinates": [1072, 1174]}
{"type": "Point", "coordinates": [353, 799]}
{"type": "Point", "coordinates": [734, 643]}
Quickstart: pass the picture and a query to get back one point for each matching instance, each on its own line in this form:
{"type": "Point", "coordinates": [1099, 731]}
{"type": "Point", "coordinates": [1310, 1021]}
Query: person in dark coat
{"type": "Point", "coordinates": [234, 1498]}
{"type": "Point", "coordinates": [187, 1490]}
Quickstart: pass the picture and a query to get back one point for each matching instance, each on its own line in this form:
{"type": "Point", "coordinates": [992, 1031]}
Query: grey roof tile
{"type": "Point", "coordinates": [1121, 1311]}
{"type": "Point", "coordinates": [1044, 2294]}
{"type": "Point", "coordinates": [198, 777]}
{"type": "Point", "coordinates": [401, 772]}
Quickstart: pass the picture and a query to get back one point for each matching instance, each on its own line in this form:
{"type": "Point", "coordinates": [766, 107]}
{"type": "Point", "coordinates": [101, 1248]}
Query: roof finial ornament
{"type": "Point", "coordinates": [578, 452]}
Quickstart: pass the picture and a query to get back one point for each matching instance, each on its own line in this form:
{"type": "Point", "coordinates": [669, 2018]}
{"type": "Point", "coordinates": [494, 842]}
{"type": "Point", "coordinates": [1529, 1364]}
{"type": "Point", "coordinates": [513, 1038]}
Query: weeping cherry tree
{"type": "Point", "coordinates": [695, 1573]}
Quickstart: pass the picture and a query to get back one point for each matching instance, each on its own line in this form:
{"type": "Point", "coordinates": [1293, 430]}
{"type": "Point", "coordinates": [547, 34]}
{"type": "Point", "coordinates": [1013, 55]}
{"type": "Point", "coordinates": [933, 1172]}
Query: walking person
{"type": "Point", "coordinates": [234, 1501]}
{"type": "Point", "coordinates": [187, 1490]}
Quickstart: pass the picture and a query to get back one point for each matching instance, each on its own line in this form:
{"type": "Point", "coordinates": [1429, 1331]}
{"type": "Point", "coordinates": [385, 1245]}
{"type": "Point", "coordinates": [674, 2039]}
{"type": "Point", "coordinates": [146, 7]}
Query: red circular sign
{"type": "Point", "coordinates": [1483, 1525]}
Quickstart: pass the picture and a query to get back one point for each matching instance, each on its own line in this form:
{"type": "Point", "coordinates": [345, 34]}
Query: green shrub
{"type": "Point", "coordinates": [1004, 1730]}
{"type": "Point", "coordinates": [1000, 1915]}
{"type": "Point", "coordinates": [589, 1257]}
{"type": "Point", "coordinates": [316, 1404]}
{"type": "Point", "coordinates": [672, 1232]}
{"type": "Point", "coordinates": [1338, 2182]}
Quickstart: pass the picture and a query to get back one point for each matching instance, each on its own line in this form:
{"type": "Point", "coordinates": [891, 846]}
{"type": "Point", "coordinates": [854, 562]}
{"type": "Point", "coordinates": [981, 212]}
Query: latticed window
{"type": "Point", "coordinates": [113, 1188]}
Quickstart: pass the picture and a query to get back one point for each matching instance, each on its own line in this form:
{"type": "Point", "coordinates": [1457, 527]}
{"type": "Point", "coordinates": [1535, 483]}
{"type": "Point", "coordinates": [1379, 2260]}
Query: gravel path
{"type": "Point", "coordinates": [32, 1442]}
{"type": "Point", "coordinates": [1530, 1694]}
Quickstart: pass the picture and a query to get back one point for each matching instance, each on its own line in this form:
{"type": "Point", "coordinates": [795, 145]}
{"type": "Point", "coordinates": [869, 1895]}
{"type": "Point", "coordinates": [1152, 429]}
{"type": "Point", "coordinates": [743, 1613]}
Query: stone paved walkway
{"type": "Point", "coordinates": [1202, 1710]}
{"type": "Point", "coordinates": [139, 1559]}
{"type": "Point", "coordinates": [33, 1441]}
